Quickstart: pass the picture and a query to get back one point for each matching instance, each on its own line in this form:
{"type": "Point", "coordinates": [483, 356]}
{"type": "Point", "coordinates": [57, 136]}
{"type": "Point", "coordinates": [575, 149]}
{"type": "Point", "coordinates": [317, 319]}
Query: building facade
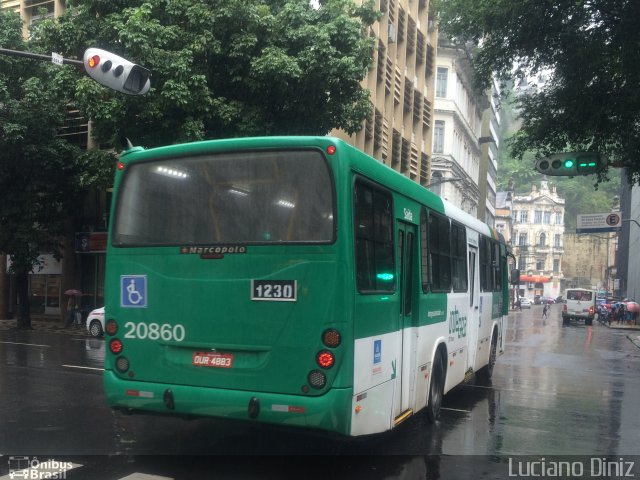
{"type": "Point", "coordinates": [456, 130]}
{"type": "Point", "coordinates": [538, 240]}
{"type": "Point", "coordinates": [398, 131]}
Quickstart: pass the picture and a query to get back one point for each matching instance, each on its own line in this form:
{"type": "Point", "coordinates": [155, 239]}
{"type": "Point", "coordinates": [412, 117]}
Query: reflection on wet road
{"type": "Point", "coordinates": [557, 390]}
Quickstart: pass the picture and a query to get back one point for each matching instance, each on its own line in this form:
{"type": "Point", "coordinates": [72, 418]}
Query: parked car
{"type": "Point", "coordinates": [547, 300]}
{"type": "Point", "coordinates": [95, 322]}
{"type": "Point", "coordinates": [560, 299]}
{"type": "Point", "coordinates": [525, 302]}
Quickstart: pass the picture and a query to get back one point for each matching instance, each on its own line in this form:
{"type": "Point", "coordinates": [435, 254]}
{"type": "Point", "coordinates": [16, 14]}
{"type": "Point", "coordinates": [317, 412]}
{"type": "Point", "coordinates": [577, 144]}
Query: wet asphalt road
{"type": "Point", "coordinates": [557, 390]}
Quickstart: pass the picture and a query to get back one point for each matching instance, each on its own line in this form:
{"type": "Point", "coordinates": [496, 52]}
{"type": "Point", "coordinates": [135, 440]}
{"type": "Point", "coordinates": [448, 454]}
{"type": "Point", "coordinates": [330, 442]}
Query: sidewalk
{"type": "Point", "coordinates": [615, 326]}
{"type": "Point", "coordinates": [46, 325]}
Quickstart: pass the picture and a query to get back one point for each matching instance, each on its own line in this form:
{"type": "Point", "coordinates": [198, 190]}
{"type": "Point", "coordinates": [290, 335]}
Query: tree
{"type": "Point", "coordinates": [223, 68]}
{"type": "Point", "coordinates": [41, 175]}
{"type": "Point", "coordinates": [591, 49]}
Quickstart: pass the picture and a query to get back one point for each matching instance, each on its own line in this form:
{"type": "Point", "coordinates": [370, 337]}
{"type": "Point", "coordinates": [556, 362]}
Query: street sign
{"type": "Point", "coordinates": [599, 222]}
{"type": "Point", "coordinates": [57, 59]}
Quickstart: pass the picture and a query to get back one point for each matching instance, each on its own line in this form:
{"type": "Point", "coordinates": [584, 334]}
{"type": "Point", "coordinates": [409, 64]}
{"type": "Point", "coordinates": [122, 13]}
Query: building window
{"type": "Point", "coordinates": [556, 266]}
{"type": "Point", "coordinates": [543, 240]}
{"type": "Point", "coordinates": [547, 218]}
{"type": "Point", "coordinates": [441, 82]}
{"type": "Point", "coordinates": [514, 215]}
{"type": "Point", "coordinates": [557, 240]}
{"type": "Point", "coordinates": [522, 264]}
{"type": "Point", "coordinates": [540, 265]}
{"type": "Point", "coordinates": [558, 218]}
{"type": "Point", "coordinates": [522, 239]}
{"type": "Point", "coordinates": [537, 217]}
{"type": "Point", "coordinates": [438, 137]}
{"type": "Point", "coordinates": [524, 216]}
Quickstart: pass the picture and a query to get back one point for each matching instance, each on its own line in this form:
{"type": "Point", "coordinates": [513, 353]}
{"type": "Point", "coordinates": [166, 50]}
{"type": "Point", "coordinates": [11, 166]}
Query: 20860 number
{"type": "Point", "coordinates": [155, 331]}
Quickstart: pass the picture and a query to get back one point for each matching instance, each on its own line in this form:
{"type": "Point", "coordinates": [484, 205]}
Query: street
{"type": "Point", "coordinates": [557, 391]}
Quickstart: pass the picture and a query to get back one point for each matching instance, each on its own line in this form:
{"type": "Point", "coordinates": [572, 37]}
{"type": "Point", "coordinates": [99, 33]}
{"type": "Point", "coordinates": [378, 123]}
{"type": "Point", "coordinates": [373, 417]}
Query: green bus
{"type": "Point", "coordinates": [293, 281]}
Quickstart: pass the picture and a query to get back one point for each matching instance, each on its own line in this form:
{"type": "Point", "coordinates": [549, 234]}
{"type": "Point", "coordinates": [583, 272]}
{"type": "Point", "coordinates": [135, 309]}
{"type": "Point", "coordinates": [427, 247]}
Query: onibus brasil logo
{"type": "Point", "coordinates": [32, 468]}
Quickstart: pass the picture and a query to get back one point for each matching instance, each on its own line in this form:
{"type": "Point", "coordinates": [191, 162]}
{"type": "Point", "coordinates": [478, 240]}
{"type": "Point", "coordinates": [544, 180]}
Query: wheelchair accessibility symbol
{"type": "Point", "coordinates": [133, 291]}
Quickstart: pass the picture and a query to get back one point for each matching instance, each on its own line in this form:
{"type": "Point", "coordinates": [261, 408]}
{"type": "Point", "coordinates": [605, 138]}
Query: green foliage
{"type": "Point", "coordinates": [591, 49]}
{"type": "Point", "coordinates": [42, 177]}
{"type": "Point", "coordinates": [223, 68]}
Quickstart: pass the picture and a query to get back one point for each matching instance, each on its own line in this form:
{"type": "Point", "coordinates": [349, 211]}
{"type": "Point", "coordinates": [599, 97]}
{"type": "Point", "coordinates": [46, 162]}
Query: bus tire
{"type": "Point", "coordinates": [565, 320]}
{"type": "Point", "coordinates": [485, 373]}
{"type": "Point", "coordinates": [436, 389]}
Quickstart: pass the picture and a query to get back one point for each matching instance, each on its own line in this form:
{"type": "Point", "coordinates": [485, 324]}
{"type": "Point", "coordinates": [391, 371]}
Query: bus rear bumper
{"type": "Point", "coordinates": [331, 411]}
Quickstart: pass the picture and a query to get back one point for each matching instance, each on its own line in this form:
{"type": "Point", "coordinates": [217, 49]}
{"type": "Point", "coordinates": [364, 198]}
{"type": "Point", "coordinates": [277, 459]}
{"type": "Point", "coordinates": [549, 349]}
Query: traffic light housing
{"type": "Point", "coordinates": [571, 164]}
{"type": "Point", "coordinates": [116, 72]}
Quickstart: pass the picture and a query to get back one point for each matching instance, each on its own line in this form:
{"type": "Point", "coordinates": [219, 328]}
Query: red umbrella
{"type": "Point", "coordinates": [633, 306]}
{"type": "Point", "coordinates": [73, 292]}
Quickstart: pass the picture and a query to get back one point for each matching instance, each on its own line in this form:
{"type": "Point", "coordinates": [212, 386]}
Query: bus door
{"type": "Point", "coordinates": [407, 257]}
{"type": "Point", "coordinates": [474, 320]}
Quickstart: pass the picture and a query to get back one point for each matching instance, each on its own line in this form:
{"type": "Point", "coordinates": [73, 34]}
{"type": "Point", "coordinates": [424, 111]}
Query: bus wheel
{"type": "Point", "coordinates": [436, 391]}
{"type": "Point", "coordinates": [485, 373]}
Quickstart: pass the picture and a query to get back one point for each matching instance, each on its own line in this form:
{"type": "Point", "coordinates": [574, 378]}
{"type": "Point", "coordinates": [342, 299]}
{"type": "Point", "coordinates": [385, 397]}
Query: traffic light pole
{"type": "Point", "coordinates": [104, 67]}
{"type": "Point", "coordinates": [37, 56]}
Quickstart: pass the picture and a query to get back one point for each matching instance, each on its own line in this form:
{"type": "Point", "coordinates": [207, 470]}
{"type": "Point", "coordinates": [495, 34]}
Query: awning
{"type": "Point", "coordinates": [534, 279]}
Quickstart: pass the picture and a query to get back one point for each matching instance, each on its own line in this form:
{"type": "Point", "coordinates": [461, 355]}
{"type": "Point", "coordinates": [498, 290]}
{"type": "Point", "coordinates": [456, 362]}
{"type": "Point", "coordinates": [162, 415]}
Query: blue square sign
{"type": "Point", "coordinates": [133, 291]}
{"type": "Point", "coordinates": [377, 351]}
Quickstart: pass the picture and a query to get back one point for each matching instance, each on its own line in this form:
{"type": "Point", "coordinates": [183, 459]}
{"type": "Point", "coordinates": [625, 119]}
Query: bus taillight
{"type": "Point", "coordinates": [325, 359]}
{"type": "Point", "coordinates": [331, 338]}
{"type": "Point", "coordinates": [111, 327]}
{"type": "Point", "coordinates": [115, 346]}
{"type": "Point", "coordinates": [122, 364]}
{"type": "Point", "coordinates": [317, 379]}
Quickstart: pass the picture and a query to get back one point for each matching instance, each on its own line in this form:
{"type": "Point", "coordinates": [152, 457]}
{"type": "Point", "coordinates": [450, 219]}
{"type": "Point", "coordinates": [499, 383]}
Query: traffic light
{"type": "Point", "coordinates": [115, 72]}
{"type": "Point", "coordinates": [571, 164]}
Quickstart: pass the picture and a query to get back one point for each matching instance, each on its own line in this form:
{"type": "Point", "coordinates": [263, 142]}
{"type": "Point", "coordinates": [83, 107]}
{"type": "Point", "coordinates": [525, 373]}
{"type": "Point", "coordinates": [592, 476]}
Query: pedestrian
{"type": "Point", "coordinates": [545, 310]}
{"type": "Point", "coordinates": [518, 304]}
{"type": "Point", "coordinates": [71, 311]}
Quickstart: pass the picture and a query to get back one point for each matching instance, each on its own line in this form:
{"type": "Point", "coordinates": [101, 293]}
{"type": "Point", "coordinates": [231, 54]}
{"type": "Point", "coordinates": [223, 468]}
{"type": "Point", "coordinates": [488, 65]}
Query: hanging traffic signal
{"type": "Point", "coordinates": [571, 164]}
{"type": "Point", "coordinates": [115, 72]}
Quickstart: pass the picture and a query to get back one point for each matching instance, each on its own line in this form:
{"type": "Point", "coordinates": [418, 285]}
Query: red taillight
{"type": "Point", "coordinates": [94, 61]}
{"type": "Point", "coordinates": [331, 338]}
{"type": "Point", "coordinates": [111, 327]}
{"type": "Point", "coordinates": [591, 310]}
{"type": "Point", "coordinates": [325, 359]}
{"type": "Point", "coordinates": [120, 166]}
{"type": "Point", "coordinates": [115, 346]}
{"type": "Point", "coordinates": [331, 149]}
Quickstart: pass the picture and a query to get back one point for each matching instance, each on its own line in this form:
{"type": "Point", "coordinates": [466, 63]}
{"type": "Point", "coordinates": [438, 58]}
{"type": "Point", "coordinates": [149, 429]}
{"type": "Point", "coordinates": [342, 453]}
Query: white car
{"type": "Point", "coordinates": [525, 302]}
{"type": "Point", "coordinates": [95, 322]}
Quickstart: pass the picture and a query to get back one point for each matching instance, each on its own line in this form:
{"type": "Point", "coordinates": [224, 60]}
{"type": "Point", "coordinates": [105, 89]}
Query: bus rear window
{"type": "Point", "coordinates": [241, 197]}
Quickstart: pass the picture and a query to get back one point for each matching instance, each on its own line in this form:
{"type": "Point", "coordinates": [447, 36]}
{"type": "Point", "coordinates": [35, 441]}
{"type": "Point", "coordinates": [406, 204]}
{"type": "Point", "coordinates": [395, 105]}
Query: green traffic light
{"type": "Point", "coordinates": [568, 163]}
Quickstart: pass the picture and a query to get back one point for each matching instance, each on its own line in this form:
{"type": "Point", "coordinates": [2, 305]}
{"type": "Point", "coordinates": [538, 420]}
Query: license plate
{"type": "Point", "coordinates": [212, 359]}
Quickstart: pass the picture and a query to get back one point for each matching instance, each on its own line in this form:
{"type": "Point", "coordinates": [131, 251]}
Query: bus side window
{"type": "Point", "coordinates": [439, 252]}
{"type": "Point", "coordinates": [459, 257]}
{"type": "Point", "coordinates": [373, 217]}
